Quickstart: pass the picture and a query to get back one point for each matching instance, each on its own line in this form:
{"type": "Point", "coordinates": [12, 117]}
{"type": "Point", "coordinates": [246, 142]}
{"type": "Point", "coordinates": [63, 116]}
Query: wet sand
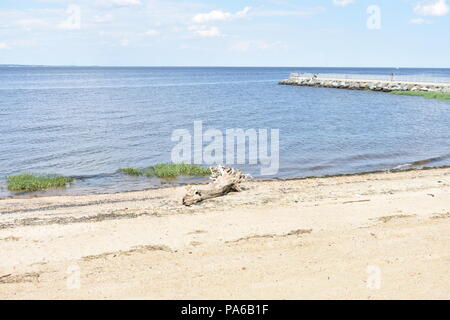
{"type": "Point", "coordinates": [372, 236]}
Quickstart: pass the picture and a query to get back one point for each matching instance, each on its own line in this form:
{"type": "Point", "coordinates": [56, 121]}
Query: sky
{"type": "Point", "coordinates": [310, 33]}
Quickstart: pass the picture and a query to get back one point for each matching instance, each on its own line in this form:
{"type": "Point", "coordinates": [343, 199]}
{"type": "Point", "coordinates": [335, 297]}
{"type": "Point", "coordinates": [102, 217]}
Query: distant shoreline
{"type": "Point", "coordinates": [287, 67]}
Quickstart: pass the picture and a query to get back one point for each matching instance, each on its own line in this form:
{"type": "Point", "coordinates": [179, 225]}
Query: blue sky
{"type": "Point", "coordinates": [359, 33]}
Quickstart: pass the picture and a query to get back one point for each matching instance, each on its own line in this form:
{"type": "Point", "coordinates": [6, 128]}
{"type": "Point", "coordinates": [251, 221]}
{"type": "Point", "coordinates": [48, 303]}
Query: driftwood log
{"type": "Point", "coordinates": [223, 181]}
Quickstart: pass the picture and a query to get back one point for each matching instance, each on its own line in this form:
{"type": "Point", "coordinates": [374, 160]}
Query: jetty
{"type": "Point", "coordinates": [382, 83]}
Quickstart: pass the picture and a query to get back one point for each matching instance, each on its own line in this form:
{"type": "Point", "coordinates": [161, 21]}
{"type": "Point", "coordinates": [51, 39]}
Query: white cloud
{"type": "Point", "coordinates": [127, 2]}
{"type": "Point", "coordinates": [432, 8]}
{"type": "Point", "coordinates": [152, 32]}
{"type": "Point", "coordinates": [124, 42]}
{"type": "Point", "coordinates": [107, 17]}
{"type": "Point", "coordinates": [31, 24]}
{"type": "Point", "coordinates": [420, 21]}
{"type": "Point", "coordinates": [211, 32]}
{"type": "Point", "coordinates": [122, 3]}
{"type": "Point", "coordinates": [244, 46]}
{"type": "Point", "coordinates": [343, 3]}
{"type": "Point", "coordinates": [218, 15]}
{"type": "Point", "coordinates": [292, 13]}
{"type": "Point", "coordinates": [204, 31]}
{"type": "Point", "coordinates": [4, 45]}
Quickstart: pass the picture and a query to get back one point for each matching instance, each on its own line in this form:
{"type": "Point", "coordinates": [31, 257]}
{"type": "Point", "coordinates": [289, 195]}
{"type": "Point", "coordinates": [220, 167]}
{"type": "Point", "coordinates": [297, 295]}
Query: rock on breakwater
{"type": "Point", "coordinates": [373, 85]}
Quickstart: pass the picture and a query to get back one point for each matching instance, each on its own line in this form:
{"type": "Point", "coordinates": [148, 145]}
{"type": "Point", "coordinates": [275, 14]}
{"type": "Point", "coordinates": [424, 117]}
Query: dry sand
{"type": "Point", "coordinates": [376, 236]}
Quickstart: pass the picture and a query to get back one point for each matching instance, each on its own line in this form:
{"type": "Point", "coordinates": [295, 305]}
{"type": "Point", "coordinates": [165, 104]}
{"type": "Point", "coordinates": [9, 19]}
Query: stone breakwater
{"type": "Point", "coordinates": [373, 85]}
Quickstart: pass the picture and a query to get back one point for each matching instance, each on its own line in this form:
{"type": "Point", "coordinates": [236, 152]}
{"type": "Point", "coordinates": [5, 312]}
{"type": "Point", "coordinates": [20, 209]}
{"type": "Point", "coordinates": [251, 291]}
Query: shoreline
{"type": "Point", "coordinates": [292, 239]}
{"type": "Point", "coordinates": [51, 193]}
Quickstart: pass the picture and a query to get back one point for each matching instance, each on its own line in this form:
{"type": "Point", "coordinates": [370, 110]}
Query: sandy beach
{"type": "Point", "coordinates": [371, 236]}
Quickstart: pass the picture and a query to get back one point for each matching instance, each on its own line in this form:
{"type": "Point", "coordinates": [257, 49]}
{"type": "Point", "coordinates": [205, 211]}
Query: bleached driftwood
{"type": "Point", "coordinates": [223, 181]}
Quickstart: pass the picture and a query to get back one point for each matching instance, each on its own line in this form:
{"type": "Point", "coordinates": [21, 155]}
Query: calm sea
{"type": "Point", "coordinates": [89, 121]}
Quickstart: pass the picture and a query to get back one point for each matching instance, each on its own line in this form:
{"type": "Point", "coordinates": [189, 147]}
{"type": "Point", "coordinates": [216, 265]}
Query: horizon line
{"type": "Point", "coordinates": [197, 66]}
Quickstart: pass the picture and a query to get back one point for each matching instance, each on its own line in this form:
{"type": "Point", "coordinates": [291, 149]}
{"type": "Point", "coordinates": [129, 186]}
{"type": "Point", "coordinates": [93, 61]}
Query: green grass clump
{"type": "Point", "coordinates": [173, 170]}
{"type": "Point", "coordinates": [132, 171]}
{"type": "Point", "coordinates": [30, 182]}
{"type": "Point", "coordinates": [425, 94]}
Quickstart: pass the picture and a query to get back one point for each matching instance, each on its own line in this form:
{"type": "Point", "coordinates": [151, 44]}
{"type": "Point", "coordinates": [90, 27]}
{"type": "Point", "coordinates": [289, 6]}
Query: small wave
{"type": "Point", "coordinates": [316, 168]}
{"type": "Point", "coordinates": [94, 176]}
{"type": "Point", "coordinates": [402, 166]}
{"type": "Point", "coordinates": [367, 156]}
{"type": "Point", "coordinates": [420, 163]}
{"type": "Point", "coordinates": [430, 160]}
